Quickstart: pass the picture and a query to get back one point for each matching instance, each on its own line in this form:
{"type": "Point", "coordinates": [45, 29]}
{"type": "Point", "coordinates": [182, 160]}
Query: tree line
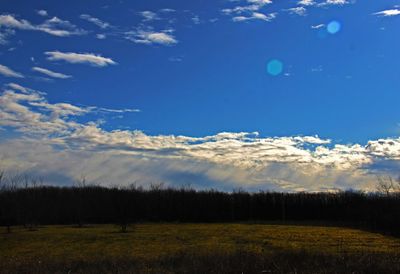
{"type": "Point", "coordinates": [30, 203]}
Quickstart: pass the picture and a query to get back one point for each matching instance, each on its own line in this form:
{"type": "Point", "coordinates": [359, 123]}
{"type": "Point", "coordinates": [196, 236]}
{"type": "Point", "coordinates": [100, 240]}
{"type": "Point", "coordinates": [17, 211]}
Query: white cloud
{"type": "Point", "coordinates": [196, 20]}
{"type": "Point", "coordinates": [101, 36]}
{"type": "Point", "coordinates": [101, 24]}
{"type": "Point", "coordinates": [51, 73]}
{"type": "Point", "coordinates": [149, 15]}
{"type": "Point", "coordinates": [167, 10]}
{"type": "Point", "coordinates": [3, 38]}
{"type": "Point", "coordinates": [250, 11]}
{"type": "Point", "coordinates": [151, 37]}
{"type": "Point", "coordinates": [391, 12]}
{"type": "Point", "coordinates": [255, 16]}
{"type": "Point", "coordinates": [28, 111]}
{"type": "Point", "coordinates": [298, 10]}
{"type": "Point", "coordinates": [80, 58]}
{"type": "Point", "coordinates": [52, 141]}
{"type": "Point", "coordinates": [260, 2]}
{"type": "Point", "coordinates": [20, 88]}
{"type": "Point", "coordinates": [42, 12]}
{"type": "Point", "coordinates": [125, 110]}
{"type": "Point", "coordinates": [318, 26]}
{"type": "Point", "coordinates": [241, 9]}
{"type": "Point", "coordinates": [11, 22]}
{"type": "Point", "coordinates": [54, 26]}
{"type": "Point", "coordinates": [6, 71]}
{"type": "Point", "coordinates": [336, 2]}
{"type": "Point", "coordinates": [307, 3]}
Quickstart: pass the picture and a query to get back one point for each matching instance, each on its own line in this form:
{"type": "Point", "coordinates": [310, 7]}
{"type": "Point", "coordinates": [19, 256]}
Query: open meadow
{"type": "Point", "coordinates": [194, 248]}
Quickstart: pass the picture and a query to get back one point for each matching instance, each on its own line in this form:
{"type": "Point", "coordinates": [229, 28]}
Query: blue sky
{"type": "Point", "coordinates": [123, 73]}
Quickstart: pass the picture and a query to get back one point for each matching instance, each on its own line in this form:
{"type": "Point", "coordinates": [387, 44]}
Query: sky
{"type": "Point", "coordinates": [254, 94]}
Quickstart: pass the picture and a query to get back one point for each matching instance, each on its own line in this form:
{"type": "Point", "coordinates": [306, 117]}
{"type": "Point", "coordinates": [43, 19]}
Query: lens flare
{"type": "Point", "coordinates": [275, 67]}
{"type": "Point", "coordinates": [333, 27]}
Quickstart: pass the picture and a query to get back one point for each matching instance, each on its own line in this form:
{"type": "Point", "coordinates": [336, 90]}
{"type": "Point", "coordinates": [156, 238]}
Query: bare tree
{"type": "Point", "coordinates": [80, 186]}
{"type": "Point", "coordinates": [122, 208]}
{"type": "Point", "coordinates": [2, 180]}
{"type": "Point", "coordinates": [387, 185]}
{"type": "Point", "coordinates": [397, 185]}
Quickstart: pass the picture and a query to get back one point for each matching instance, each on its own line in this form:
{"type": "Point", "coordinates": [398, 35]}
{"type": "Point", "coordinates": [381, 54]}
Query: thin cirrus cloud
{"type": "Point", "coordinates": [80, 58]}
{"type": "Point", "coordinates": [51, 73]}
{"type": "Point", "coordinates": [150, 36]}
{"type": "Point", "coordinates": [54, 26]}
{"type": "Point", "coordinates": [386, 13]}
{"type": "Point", "coordinates": [250, 10]}
{"type": "Point", "coordinates": [245, 10]}
{"type": "Point", "coordinates": [298, 10]}
{"type": "Point", "coordinates": [255, 16]}
{"type": "Point", "coordinates": [101, 24]}
{"type": "Point", "coordinates": [318, 26]}
{"type": "Point", "coordinates": [7, 72]}
{"type": "Point", "coordinates": [149, 15]}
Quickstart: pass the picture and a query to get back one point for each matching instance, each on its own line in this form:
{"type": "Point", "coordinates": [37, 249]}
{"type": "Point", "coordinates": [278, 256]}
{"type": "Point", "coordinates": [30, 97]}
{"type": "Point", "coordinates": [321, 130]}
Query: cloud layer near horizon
{"type": "Point", "coordinates": [49, 141]}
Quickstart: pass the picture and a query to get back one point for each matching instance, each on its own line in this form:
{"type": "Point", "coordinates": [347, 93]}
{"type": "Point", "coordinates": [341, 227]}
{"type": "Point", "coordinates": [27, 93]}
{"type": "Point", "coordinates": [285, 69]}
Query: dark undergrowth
{"type": "Point", "coordinates": [218, 262]}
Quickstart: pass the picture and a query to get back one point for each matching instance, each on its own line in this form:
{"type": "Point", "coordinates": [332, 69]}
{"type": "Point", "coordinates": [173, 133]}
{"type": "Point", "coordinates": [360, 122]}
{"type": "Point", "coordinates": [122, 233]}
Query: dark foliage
{"type": "Point", "coordinates": [31, 206]}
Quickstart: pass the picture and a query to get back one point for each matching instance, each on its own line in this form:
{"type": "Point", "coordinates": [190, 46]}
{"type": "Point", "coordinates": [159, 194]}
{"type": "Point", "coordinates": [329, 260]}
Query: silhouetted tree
{"type": "Point", "coordinates": [39, 204]}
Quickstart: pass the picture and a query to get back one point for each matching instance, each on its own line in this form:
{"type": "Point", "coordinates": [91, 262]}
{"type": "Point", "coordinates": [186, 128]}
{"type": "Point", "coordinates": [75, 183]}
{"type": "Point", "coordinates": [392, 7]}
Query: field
{"type": "Point", "coordinates": [156, 248]}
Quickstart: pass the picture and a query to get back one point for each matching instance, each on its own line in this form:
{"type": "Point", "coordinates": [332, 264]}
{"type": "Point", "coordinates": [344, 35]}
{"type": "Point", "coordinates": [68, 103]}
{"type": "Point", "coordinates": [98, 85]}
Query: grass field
{"type": "Point", "coordinates": [152, 242]}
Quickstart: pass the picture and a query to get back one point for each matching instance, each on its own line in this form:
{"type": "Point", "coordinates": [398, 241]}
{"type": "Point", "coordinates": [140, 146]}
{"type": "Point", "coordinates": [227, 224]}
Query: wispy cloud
{"type": "Point", "coordinates": [111, 110]}
{"type": "Point", "coordinates": [51, 73]}
{"type": "Point", "coordinates": [101, 36]}
{"type": "Point", "coordinates": [80, 58]}
{"type": "Point", "coordinates": [28, 111]}
{"type": "Point", "coordinates": [249, 11]}
{"type": "Point", "coordinates": [318, 26]}
{"type": "Point", "coordinates": [149, 36]}
{"type": "Point", "coordinates": [255, 16]}
{"type": "Point", "coordinates": [18, 87]}
{"type": "Point", "coordinates": [390, 12]}
{"type": "Point", "coordinates": [335, 2]}
{"type": "Point", "coordinates": [149, 15]}
{"type": "Point", "coordinates": [42, 13]}
{"type": "Point", "coordinates": [4, 34]}
{"type": "Point", "coordinates": [6, 71]}
{"type": "Point", "coordinates": [54, 26]}
{"type": "Point", "coordinates": [196, 20]}
{"type": "Point", "coordinates": [251, 5]}
{"type": "Point", "coordinates": [101, 24]}
{"type": "Point", "coordinates": [167, 10]}
{"type": "Point", "coordinates": [307, 3]}
{"type": "Point", "coordinates": [298, 10]}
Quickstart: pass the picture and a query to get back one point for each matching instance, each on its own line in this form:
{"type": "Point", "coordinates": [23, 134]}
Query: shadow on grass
{"type": "Point", "coordinates": [220, 262]}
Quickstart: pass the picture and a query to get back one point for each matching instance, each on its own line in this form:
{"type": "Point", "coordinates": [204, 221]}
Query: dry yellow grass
{"type": "Point", "coordinates": [150, 241]}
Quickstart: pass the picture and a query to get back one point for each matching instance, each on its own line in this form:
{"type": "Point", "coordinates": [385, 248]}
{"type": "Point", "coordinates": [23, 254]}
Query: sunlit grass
{"type": "Point", "coordinates": [151, 241]}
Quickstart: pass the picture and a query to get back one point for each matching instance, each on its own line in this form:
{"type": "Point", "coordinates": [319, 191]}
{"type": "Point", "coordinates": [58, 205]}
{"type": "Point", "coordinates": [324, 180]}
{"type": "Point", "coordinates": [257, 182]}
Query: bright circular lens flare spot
{"type": "Point", "coordinates": [275, 67]}
{"type": "Point", "coordinates": [333, 27]}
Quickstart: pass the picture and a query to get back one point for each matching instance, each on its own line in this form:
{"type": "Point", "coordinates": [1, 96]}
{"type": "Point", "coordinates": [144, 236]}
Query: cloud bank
{"type": "Point", "coordinates": [51, 142]}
